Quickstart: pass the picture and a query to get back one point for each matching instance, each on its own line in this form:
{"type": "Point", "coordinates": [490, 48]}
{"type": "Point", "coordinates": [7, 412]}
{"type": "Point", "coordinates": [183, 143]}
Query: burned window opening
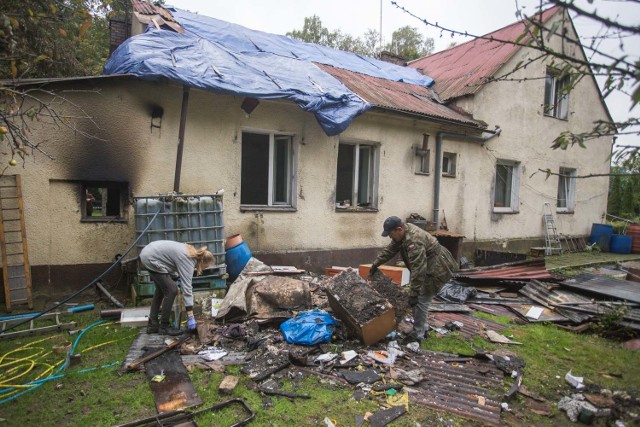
{"type": "Point", "coordinates": [104, 201]}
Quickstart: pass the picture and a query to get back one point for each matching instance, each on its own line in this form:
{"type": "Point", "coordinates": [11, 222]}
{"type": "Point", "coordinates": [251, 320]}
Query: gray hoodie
{"type": "Point", "coordinates": [167, 256]}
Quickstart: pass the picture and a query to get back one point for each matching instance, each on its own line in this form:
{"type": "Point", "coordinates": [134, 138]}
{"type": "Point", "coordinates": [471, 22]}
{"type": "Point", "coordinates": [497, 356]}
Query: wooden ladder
{"type": "Point", "coordinates": [16, 272]}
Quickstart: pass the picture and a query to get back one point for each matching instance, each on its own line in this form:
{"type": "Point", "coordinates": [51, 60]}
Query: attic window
{"type": "Point", "coordinates": [556, 95]}
{"type": "Point", "coordinates": [104, 201]}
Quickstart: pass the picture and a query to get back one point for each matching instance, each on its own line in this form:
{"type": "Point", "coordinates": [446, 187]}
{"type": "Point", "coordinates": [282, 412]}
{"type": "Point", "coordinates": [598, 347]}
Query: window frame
{"type": "Point", "coordinates": [422, 162]}
{"type": "Point", "coordinates": [451, 163]}
{"type": "Point", "coordinates": [373, 180]}
{"type": "Point", "coordinates": [567, 174]}
{"type": "Point", "coordinates": [123, 190]}
{"type": "Point", "coordinates": [556, 97]}
{"type": "Point", "coordinates": [515, 187]}
{"type": "Point", "coordinates": [291, 172]}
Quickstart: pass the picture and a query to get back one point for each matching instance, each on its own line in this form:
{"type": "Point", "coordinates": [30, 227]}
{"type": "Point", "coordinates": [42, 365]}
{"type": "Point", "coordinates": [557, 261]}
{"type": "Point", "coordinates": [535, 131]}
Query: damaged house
{"type": "Point", "coordinates": [313, 147]}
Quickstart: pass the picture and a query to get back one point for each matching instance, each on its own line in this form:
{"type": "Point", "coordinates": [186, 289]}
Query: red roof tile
{"type": "Point", "coordinates": [398, 96]}
{"type": "Point", "coordinates": [462, 69]}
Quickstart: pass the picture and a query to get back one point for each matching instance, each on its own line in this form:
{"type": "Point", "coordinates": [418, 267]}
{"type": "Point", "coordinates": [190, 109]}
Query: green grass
{"type": "Point", "coordinates": [102, 398]}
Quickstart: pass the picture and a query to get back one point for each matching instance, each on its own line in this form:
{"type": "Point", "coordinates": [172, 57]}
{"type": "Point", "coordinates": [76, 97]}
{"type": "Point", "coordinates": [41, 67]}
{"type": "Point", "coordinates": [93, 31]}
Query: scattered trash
{"type": "Point", "coordinates": [414, 346]}
{"type": "Point", "coordinates": [216, 303]}
{"type": "Point", "coordinates": [576, 382]}
{"type": "Point", "coordinates": [500, 339]}
{"type": "Point", "coordinates": [347, 356]}
{"type": "Point", "coordinates": [329, 423]}
{"type": "Point", "coordinates": [212, 353]}
{"type": "Point", "coordinates": [325, 358]}
{"type": "Point", "coordinates": [505, 407]}
{"type": "Point", "coordinates": [159, 378]}
{"type": "Point", "coordinates": [453, 291]}
{"type": "Point", "coordinates": [534, 312]}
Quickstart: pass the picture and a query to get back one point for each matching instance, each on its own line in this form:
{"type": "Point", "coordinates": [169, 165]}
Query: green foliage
{"type": "Point", "coordinates": [408, 43]}
{"type": "Point", "coordinates": [614, 203]}
{"type": "Point", "coordinates": [58, 38]}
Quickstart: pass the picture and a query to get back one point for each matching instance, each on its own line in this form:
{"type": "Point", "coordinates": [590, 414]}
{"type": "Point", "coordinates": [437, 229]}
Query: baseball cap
{"type": "Point", "coordinates": [391, 223]}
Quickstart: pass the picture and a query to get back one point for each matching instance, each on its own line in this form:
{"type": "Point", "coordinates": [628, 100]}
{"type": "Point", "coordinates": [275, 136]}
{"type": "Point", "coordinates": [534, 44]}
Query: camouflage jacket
{"type": "Point", "coordinates": [430, 263]}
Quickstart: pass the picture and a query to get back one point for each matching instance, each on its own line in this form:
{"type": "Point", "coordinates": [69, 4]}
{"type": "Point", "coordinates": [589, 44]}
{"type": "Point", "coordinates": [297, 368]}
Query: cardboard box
{"type": "Point", "coordinates": [398, 275]}
{"type": "Point", "coordinates": [371, 331]}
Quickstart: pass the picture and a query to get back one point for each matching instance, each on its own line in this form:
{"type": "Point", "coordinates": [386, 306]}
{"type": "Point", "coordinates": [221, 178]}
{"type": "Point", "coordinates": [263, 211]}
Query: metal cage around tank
{"type": "Point", "coordinates": [190, 218]}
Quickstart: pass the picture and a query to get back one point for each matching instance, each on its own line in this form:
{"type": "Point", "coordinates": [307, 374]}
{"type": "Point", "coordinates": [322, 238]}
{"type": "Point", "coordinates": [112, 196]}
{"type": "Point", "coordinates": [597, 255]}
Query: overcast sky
{"type": "Point", "coordinates": [355, 17]}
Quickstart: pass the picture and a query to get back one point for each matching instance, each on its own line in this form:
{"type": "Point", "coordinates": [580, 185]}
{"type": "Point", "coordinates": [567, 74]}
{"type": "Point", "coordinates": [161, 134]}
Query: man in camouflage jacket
{"type": "Point", "coordinates": [431, 266]}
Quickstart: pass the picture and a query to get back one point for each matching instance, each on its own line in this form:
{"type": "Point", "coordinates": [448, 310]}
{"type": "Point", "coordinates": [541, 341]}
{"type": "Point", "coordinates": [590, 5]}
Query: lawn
{"type": "Point", "coordinates": [92, 392]}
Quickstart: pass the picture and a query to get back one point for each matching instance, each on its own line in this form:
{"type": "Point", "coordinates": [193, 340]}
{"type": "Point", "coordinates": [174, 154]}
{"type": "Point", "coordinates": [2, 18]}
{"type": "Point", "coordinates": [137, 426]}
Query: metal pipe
{"type": "Point", "coordinates": [438, 172]}
{"type": "Point", "coordinates": [183, 123]}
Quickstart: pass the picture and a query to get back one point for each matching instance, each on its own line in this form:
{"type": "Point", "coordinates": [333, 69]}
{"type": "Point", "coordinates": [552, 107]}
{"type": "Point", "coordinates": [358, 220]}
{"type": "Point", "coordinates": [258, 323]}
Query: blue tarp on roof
{"type": "Point", "coordinates": [224, 57]}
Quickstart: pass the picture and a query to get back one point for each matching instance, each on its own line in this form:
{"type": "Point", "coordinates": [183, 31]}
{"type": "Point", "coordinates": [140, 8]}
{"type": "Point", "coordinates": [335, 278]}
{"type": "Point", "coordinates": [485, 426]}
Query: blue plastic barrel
{"type": "Point", "coordinates": [236, 258]}
{"type": "Point", "coordinates": [601, 234]}
{"type": "Point", "coordinates": [621, 244]}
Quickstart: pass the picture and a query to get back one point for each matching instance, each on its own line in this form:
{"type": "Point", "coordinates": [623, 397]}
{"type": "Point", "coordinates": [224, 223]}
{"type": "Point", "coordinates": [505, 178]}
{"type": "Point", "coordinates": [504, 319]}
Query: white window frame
{"type": "Point", "coordinates": [291, 165]}
{"type": "Point", "coordinates": [450, 169]}
{"type": "Point", "coordinates": [515, 187]}
{"type": "Point", "coordinates": [373, 160]}
{"type": "Point", "coordinates": [556, 99]}
{"type": "Point", "coordinates": [567, 178]}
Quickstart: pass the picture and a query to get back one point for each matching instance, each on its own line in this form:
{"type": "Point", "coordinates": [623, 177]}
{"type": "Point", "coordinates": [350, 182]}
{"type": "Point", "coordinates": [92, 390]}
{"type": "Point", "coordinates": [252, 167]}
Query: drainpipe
{"type": "Point", "coordinates": [438, 172]}
{"type": "Point", "coordinates": [183, 123]}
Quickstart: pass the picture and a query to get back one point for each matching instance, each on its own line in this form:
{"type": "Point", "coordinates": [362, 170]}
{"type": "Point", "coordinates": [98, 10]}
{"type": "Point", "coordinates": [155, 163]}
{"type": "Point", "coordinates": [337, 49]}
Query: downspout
{"type": "Point", "coordinates": [438, 172]}
{"type": "Point", "coordinates": [183, 123]}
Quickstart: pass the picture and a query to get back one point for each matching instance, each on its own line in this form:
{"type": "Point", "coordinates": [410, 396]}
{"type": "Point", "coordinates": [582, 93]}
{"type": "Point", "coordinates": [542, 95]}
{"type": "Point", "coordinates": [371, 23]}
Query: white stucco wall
{"type": "Point", "coordinates": [132, 151]}
{"type": "Point", "coordinates": [516, 106]}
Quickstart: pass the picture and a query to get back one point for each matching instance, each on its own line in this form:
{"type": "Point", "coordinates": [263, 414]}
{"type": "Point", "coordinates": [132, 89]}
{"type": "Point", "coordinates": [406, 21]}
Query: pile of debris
{"type": "Point", "coordinates": [363, 351]}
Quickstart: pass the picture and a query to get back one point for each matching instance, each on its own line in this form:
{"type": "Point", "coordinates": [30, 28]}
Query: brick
{"type": "Point", "coordinates": [228, 384]}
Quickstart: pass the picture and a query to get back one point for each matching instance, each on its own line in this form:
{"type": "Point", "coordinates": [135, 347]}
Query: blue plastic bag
{"type": "Point", "coordinates": [308, 328]}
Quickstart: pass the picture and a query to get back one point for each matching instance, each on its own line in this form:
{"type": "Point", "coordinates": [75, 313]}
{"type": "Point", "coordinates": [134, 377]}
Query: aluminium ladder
{"type": "Point", "coordinates": [16, 272]}
{"type": "Point", "coordinates": [552, 245]}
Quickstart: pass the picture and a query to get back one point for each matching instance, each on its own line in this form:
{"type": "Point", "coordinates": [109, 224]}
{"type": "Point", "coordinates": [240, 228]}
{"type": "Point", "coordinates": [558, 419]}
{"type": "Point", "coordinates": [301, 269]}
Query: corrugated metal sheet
{"type": "Point", "coordinates": [605, 286]}
{"type": "Point", "coordinates": [472, 326]}
{"type": "Point", "coordinates": [463, 69]}
{"type": "Point", "coordinates": [498, 310]}
{"type": "Point", "coordinates": [549, 296]}
{"type": "Point", "coordinates": [520, 270]}
{"type": "Point", "coordinates": [471, 390]}
{"type": "Point", "coordinates": [398, 96]}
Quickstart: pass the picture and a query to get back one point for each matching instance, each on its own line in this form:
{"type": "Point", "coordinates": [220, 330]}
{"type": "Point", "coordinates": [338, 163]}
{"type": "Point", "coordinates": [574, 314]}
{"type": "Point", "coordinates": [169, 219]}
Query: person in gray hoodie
{"type": "Point", "coordinates": [165, 259]}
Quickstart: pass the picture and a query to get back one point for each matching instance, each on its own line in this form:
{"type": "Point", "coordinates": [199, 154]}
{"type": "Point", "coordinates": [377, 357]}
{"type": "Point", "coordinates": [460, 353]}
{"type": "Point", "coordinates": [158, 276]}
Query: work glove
{"type": "Point", "coordinates": [191, 323]}
{"type": "Point", "coordinates": [373, 270]}
{"type": "Point", "coordinates": [413, 300]}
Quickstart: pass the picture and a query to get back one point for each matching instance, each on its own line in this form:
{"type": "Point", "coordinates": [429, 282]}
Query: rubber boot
{"type": "Point", "coordinates": [167, 329]}
{"type": "Point", "coordinates": [153, 326]}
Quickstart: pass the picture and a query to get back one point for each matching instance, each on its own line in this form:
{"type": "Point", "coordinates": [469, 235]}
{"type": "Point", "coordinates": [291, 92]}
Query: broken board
{"type": "Point", "coordinates": [176, 390]}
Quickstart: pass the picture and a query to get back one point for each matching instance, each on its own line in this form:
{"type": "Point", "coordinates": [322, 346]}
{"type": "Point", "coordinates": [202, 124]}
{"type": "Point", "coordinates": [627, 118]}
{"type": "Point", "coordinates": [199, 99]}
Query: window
{"type": "Point", "coordinates": [506, 187]}
{"type": "Point", "coordinates": [448, 164]}
{"type": "Point", "coordinates": [566, 190]}
{"type": "Point", "coordinates": [104, 201]}
{"type": "Point", "coordinates": [267, 176]}
{"type": "Point", "coordinates": [357, 176]}
{"type": "Point", "coordinates": [422, 161]}
{"type": "Point", "coordinates": [556, 95]}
